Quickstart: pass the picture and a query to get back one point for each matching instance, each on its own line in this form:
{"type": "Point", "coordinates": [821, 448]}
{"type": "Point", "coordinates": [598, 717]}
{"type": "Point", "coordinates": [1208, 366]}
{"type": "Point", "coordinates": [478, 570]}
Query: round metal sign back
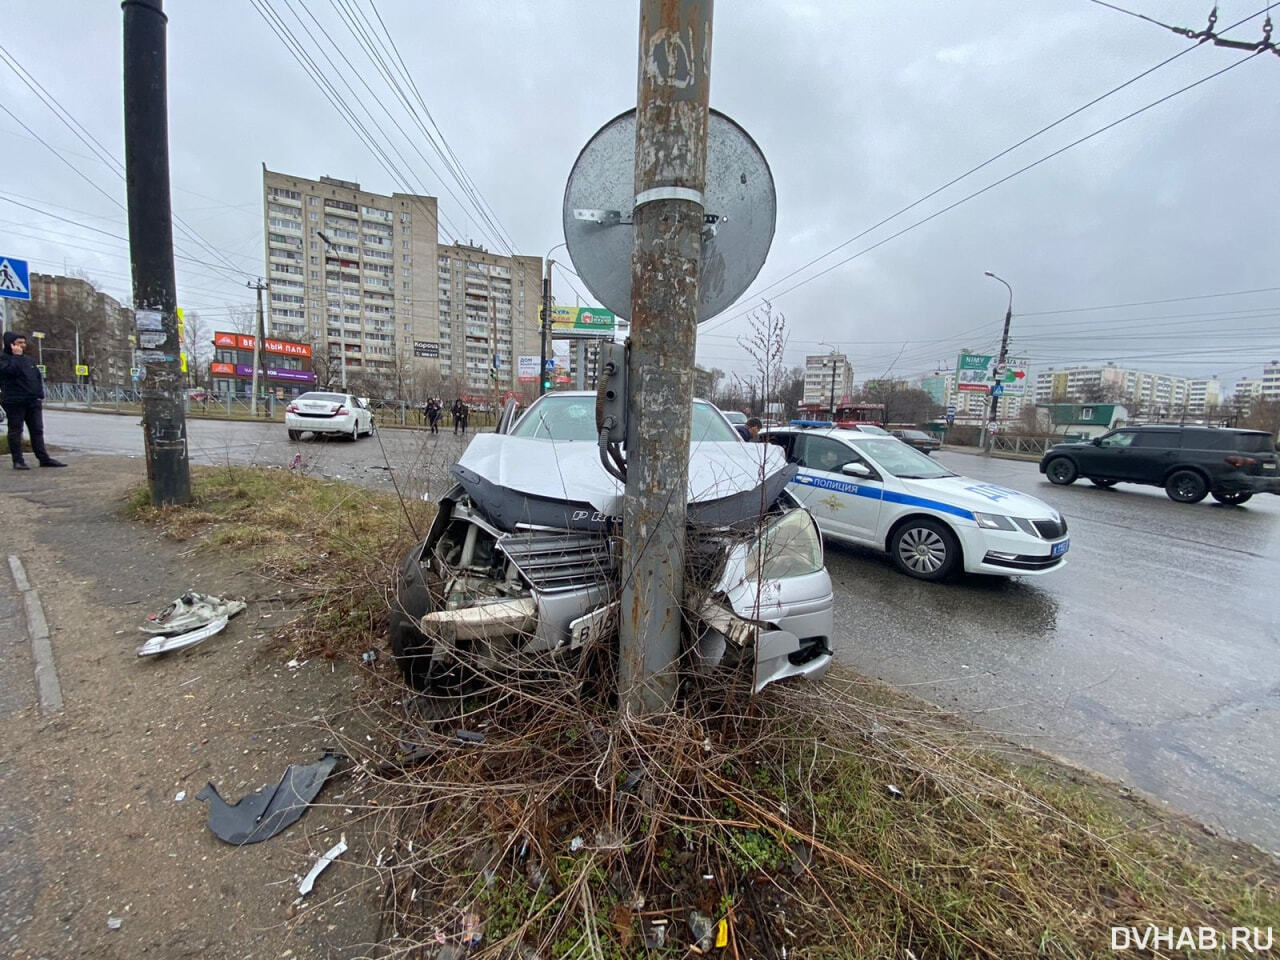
{"type": "Point", "coordinates": [739, 202]}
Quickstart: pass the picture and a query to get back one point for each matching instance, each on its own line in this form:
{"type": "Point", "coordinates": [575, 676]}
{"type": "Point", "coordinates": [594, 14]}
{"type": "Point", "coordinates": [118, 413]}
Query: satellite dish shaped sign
{"type": "Point", "coordinates": [739, 203]}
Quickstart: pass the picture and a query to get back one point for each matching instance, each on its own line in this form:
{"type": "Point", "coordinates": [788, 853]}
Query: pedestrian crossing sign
{"type": "Point", "coordinates": [15, 279]}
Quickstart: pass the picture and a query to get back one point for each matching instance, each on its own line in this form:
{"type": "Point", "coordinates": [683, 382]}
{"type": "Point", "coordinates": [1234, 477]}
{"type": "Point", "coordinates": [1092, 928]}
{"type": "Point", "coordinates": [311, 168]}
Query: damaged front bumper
{"type": "Point", "coordinates": [471, 592]}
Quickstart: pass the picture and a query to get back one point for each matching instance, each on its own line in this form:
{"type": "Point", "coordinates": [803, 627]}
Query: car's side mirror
{"type": "Point", "coordinates": [856, 469]}
{"type": "Point", "coordinates": [1096, 441]}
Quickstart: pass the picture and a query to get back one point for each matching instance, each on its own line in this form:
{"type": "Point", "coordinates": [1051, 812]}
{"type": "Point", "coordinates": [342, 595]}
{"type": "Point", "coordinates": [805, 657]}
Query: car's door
{"type": "Point", "coordinates": [1152, 454]}
{"type": "Point", "coordinates": [1108, 456]}
{"type": "Point", "coordinates": [844, 504]}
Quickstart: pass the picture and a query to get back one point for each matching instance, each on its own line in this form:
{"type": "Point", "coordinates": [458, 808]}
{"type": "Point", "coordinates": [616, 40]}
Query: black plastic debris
{"type": "Point", "coordinates": [262, 815]}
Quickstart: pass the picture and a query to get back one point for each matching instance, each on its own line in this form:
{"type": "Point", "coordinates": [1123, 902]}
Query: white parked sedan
{"type": "Point", "coordinates": [879, 492]}
{"type": "Point", "coordinates": [336, 413]}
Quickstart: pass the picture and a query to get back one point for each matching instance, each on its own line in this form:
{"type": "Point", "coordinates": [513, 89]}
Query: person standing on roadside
{"type": "Point", "coordinates": [463, 413]}
{"type": "Point", "coordinates": [22, 394]}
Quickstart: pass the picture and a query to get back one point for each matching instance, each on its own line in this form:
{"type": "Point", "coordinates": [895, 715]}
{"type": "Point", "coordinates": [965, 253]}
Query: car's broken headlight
{"type": "Point", "coordinates": [790, 546]}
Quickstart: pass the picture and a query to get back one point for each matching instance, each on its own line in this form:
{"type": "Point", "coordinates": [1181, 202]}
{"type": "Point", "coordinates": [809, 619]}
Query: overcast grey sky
{"type": "Point", "coordinates": [860, 108]}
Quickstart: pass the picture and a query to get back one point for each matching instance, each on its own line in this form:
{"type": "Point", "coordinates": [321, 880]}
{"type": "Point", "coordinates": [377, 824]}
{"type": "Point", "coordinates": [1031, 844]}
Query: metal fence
{"type": "Point", "coordinates": [386, 413]}
{"type": "Point", "coordinates": [1036, 445]}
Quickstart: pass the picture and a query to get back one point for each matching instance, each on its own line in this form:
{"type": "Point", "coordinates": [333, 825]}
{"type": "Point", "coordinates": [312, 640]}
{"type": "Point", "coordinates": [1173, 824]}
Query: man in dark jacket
{"type": "Point", "coordinates": [22, 394]}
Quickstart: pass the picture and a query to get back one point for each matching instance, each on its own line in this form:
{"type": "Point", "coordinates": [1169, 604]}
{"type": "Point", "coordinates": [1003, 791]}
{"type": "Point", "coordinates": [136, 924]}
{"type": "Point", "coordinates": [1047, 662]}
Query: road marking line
{"type": "Point", "coordinates": [48, 689]}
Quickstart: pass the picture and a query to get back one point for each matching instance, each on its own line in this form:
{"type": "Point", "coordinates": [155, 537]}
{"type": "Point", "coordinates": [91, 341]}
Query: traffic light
{"type": "Point", "coordinates": [546, 383]}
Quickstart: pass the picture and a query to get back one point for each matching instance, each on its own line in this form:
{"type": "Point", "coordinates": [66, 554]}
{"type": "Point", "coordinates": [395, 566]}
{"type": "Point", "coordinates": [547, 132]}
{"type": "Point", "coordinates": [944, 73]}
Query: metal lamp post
{"type": "Point", "coordinates": [832, 361]}
{"type": "Point", "coordinates": [342, 310]}
{"type": "Point", "coordinates": [545, 330]}
{"type": "Point", "coordinates": [1001, 362]}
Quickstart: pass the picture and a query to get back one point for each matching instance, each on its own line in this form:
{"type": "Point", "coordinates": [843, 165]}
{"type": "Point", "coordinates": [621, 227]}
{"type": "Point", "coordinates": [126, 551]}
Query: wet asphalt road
{"type": "Point", "coordinates": [1151, 657]}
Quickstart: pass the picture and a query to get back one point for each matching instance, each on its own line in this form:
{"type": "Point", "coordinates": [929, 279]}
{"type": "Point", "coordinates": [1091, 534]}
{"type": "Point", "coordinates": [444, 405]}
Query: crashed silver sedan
{"type": "Point", "coordinates": [521, 561]}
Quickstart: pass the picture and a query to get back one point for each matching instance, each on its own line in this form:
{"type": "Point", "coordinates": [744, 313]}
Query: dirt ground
{"type": "Point", "coordinates": [92, 827]}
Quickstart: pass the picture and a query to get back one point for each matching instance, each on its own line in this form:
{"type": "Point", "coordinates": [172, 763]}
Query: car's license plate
{"type": "Point", "coordinates": [1060, 548]}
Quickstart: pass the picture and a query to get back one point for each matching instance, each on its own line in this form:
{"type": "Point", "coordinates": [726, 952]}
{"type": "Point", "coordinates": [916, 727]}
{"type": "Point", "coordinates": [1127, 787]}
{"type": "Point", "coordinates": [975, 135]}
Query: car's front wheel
{"type": "Point", "coordinates": [1232, 497]}
{"type": "Point", "coordinates": [925, 549]}
{"type": "Point", "coordinates": [1186, 486]}
{"type": "Point", "coordinates": [1061, 471]}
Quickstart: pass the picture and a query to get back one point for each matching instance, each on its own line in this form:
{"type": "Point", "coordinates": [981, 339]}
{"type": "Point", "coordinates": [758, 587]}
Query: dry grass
{"type": "Point", "coordinates": [838, 820]}
{"type": "Point", "coordinates": [331, 547]}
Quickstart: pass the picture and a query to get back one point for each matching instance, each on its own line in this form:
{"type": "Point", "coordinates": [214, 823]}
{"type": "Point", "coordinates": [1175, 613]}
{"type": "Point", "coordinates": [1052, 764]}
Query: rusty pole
{"type": "Point", "coordinates": [671, 162]}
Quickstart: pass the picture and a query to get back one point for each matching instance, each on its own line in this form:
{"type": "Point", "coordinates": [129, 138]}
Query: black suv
{"type": "Point", "coordinates": [1189, 462]}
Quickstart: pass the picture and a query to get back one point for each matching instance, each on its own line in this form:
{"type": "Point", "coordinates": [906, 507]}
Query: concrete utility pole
{"type": "Point", "coordinates": [155, 298]}
{"type": "Point", "coordinates": [671, 166]}
{"type": "Point", "coordinates": [257, 348]}
{"type": "Point", "coordinates": [1001, 363]}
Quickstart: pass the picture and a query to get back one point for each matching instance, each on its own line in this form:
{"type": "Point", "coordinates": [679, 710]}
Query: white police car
{"type": "Point", "coordinates": [879, 492]}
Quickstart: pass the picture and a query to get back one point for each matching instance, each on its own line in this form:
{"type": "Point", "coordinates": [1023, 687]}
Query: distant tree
{"type": "Point", "coordinates": [902, 403]}
{"type": "Point", "coordinates": [80, 313]}
{"type": "Point", "coordinates": [765, 343]}
{"type": "Point", "coordinates": [790, 392]}
{"type": "Point", "coordinates": [1263, 415]}
{"type": "Point", "coordinates": [1028, 423]}
{"type": "Point", "coordinates": [197, 344]}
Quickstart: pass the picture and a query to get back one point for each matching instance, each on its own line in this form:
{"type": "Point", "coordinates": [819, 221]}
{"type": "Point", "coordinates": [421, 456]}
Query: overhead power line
{"type": "Point", "coordinates": [965, 175]}
{"type": "Point", "coordinates": [990, 186]}
{"type": "Point", "coordinates": [82, 133]}
{"type": "Point", "coordinates": [1147, 303]}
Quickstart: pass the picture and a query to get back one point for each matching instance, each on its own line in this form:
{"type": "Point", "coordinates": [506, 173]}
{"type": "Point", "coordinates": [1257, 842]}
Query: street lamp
{"type": "Point", "coordinates": [1001, 362]}
{"type": "Point", "coordinates": [832, 361]}
{"type": "Point", "coordinates": [342, 310]}
{"type": "Point", "coordinates": [544, 378]}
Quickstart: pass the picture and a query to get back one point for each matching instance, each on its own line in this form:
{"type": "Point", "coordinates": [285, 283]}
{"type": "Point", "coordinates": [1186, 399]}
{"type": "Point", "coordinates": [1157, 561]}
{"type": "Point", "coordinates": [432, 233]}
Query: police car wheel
{"type": "Point", "coordinates": [925, 549]}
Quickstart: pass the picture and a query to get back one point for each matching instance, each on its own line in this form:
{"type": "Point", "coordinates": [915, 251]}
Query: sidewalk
{"type": "Point", "coordinates": [89, 817]}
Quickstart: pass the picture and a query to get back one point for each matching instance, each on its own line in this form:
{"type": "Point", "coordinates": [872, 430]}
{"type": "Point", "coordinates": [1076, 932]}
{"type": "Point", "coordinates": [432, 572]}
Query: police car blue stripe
{"type": "Point", "coordinates": [938, 505]}
{"type": "Point", "coordinates": [879, 493]}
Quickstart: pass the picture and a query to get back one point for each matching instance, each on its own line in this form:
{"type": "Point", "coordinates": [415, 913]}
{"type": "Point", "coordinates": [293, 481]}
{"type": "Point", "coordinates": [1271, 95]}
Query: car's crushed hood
{"type": "Point", "coordinates": [965, 495]}
{"type": "Point", "coordinates": [525, 481]}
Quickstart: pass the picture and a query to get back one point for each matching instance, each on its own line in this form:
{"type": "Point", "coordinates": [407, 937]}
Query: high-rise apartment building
{"type": "Point", "coordinates": [1204, 394]}
{"type": "Point", "coordinates": [1270, 389]}
{"type": "Point", "coordinates": [482, 295]}
{"type": "Point", "coordinates": [1151, 393]}
{"type": "Point", "coordinates": [364, 276]}
{"type": "Point", "coordinates": [825, 374]}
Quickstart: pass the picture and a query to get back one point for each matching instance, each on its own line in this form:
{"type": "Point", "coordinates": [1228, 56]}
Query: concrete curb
{"type": "Point", "coordinates": [48, 689]}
